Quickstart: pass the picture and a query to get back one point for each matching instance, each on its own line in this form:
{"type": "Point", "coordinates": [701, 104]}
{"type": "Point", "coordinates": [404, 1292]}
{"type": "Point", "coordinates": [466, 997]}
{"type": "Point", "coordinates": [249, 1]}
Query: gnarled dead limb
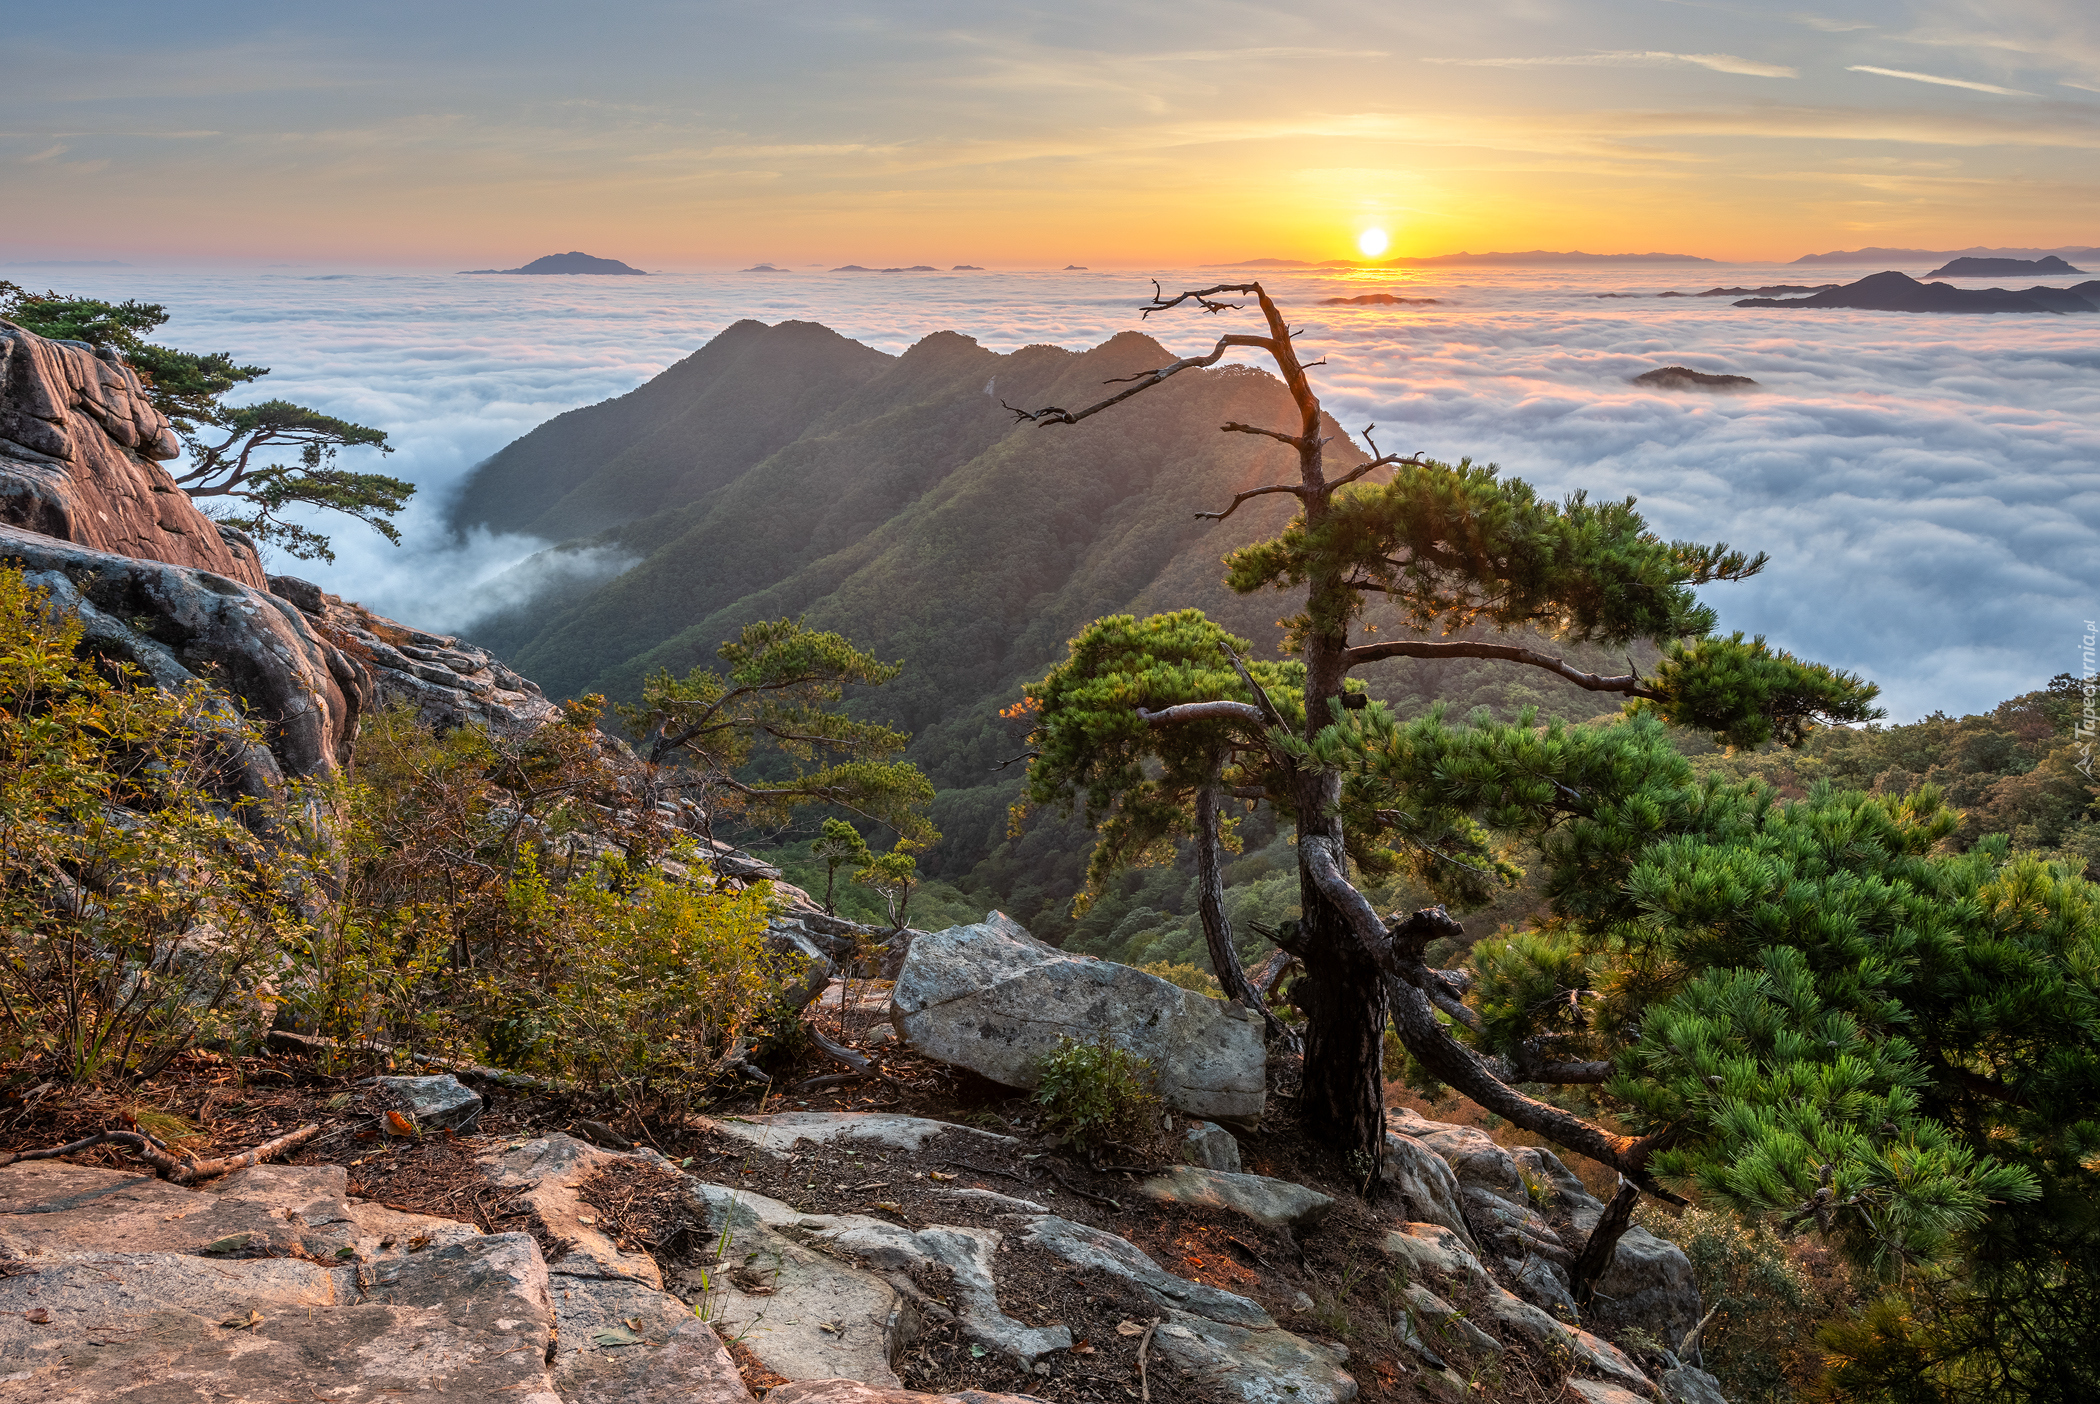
{"type": "Point", "coordinates": [1203, 711]}
{"type": "Point", "coordinates": [840, 1053]}
{"type": "Point", "coordinates": [183, 1170]}
{"type": "Point", "coordinates": [1057, 414]}
{"type": "Point", "coordinates": [1627, 683]}
{"type": "Point", "coordinates": [1242, 497]}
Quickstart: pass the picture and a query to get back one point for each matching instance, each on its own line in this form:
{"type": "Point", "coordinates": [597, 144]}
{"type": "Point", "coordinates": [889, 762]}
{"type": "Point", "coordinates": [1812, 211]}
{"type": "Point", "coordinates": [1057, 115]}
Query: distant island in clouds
{"type": "Point", "coordinates": [1897, 292]}
{"type": "Point", "coordinates": [1886, 257]}
{"type": "Point", "coordinates": [569, 264]}
{"type": "Point", "coordinates": [2003, 268]}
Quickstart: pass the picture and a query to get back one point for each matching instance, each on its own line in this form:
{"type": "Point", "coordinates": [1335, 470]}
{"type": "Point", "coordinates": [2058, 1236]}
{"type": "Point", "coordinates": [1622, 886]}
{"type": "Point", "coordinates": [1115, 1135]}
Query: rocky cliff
{"type": "Point", "coordinates": [88, 514]}
{"type": "Point", "coordinates": [80, 456]}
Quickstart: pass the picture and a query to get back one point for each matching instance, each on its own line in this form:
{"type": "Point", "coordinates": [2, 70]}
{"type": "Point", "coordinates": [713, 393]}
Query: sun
{"type": "Point", "coordinates": [1372, 242]}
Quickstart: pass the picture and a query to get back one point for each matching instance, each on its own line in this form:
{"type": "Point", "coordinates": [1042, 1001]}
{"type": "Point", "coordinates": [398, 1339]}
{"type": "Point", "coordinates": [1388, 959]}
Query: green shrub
{"type": "Point", "coordinates": [1097, 1094]}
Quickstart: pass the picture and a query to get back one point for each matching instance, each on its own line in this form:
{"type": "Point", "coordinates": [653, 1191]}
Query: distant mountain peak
{"type": "Point", "coordinates": [568, 263]}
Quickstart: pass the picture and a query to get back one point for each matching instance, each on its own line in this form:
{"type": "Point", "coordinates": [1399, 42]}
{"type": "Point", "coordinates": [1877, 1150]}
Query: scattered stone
{"type": "Point", "coordinates": [1211, 1146]}
{"type": "Point", "coordinates": [176, 623]}
{"type": "Point", "coordinates": [1270, 1203]}
{"type": "Point", "coordinates": [967, 1256]}
{"type": "Point", "coordinates": [992, 998]}
{"type": "Point", "coordinates": [51, 1208]}
{"type": "Point", "coordinates": [1493, 1196]}
{"type": "Point", "coordinates": [1598, 1392]}
{"type": "Point", "coordinates": [1235, 1349]}
{"type": "Point", "coordinates": [804, 1313]}
{"type": "Point", "coordinates": [449, 682]}
{"type": "Point", "coordinates": [1649, 1283]}
{"type": "Point", "coordinates": [1269, 1366]}
{"type": "Point", "coordinates": [1545, 1286]}
{"type": "Point", "coordinates": [435, 1102]}
{"type": "Point", "coordinates": [471, 1318]}
{"type": "Point", "coordinates": [1431, 1318]}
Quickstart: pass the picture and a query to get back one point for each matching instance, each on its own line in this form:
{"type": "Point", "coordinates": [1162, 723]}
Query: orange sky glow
{"type": "Point", "coordinates": [713, 135]}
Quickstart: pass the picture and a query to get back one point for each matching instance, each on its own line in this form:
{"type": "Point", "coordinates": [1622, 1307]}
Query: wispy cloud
{"type": "Point", "coordinates": [1935, 78]}
{"type": "Point", "coordinates": [1632, 58]}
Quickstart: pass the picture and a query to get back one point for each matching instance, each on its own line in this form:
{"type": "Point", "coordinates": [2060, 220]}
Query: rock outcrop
{"type": "Point", "coordinates": [80, 455]}
{"type": "Point", "coordinates": [448, 682]}
{"type": "Point", "coordinates": [1527, 1216]}
{"type": "Point", "coordinates": [992, 998]}
{"type": "Point", "coordinates": [178, 624]}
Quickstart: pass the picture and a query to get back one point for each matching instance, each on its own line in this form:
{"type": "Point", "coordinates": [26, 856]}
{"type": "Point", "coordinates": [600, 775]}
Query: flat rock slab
{"type": "Point", "coordinates": [50, 1207]}
{"type": "Point", "coordinates": [781, 1132]}
{"type": "Point", "coordinates": [471, 1319]}
{"type": "Point", "coordinates": [802, 1312]}
{"type": "Point", "coordinates": [1254, 1365]}
{"type": "Point", "coordinates": [1270, 1203]}
{"type": "Point", "coordinates": [992, 998]}
{"type": "Point", "coordinates": [966, 1254]}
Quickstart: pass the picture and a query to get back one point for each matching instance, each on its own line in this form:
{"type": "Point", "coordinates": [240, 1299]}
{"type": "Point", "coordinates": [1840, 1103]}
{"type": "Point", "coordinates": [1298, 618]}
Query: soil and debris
{"type": "Point", "coordinates": [1330, 1284]}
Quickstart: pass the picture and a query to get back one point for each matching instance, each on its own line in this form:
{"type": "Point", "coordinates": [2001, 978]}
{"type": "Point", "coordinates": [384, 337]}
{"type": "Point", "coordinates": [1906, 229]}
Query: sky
{"type": "Point", "coordinates": [713, 135]}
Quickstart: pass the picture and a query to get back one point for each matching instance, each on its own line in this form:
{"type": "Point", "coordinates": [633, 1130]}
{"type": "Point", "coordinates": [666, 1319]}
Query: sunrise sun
{"type": "Point", "coordinates": [1372, 242]}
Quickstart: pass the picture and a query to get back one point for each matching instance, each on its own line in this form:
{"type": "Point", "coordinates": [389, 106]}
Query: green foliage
{"type": "Point", "coordinates": [1097, 1094]}
{"type": "Point", "coordinates": [1453, 547]}
{"type": "Point", "coordinates": [781, 691]}
{"type": "Point", "coordinates": [2017, 1321]}
{"type": "Point", "coordinates": [1749, 693]}
{"type": "Point", "coordinates": [229, 468]}
{"type": "Point", "coordinates": [189, 388]}
{"type": "Point", "coordinates": [892, 876]}
{"type": "Point", "coordinates": [138, 912]}
{"type": "Point", "coordinates": [2013, 770]}
{"type": "Point", "coordinates": [839, 845]}
{"type": "Point", "coordinates": [1137, 782]}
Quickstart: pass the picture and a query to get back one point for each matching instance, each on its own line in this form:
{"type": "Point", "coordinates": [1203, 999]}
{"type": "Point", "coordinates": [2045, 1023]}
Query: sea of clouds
{"type": "Point", "coordinates": [1928, 486]}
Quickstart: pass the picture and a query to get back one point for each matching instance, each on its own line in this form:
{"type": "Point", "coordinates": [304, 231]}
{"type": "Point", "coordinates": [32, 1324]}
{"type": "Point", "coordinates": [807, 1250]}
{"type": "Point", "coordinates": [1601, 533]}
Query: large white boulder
{"type": "Point", "coordinates": [992, 998]}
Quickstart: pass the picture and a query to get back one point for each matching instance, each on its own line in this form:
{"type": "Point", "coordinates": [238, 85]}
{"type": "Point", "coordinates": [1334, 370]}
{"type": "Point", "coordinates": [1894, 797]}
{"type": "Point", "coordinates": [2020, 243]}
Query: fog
{"type": "Point", "coordinates": [1928, 486]}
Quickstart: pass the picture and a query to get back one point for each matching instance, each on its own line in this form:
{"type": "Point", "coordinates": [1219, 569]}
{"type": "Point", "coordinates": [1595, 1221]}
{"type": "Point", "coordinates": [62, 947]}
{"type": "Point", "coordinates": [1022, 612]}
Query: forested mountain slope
{"type": "Point", "coordinates": [912, 514]}
{"type": "Point", "coordinates": [690, 430]}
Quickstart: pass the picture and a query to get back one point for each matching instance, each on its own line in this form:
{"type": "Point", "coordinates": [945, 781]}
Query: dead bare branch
{"type": "Point", "coordinates": [183, 1170]}
{"type": "Point", "coordinates": [1242, 497]}
{"type": "Point", "coordinates": [1361, 654]}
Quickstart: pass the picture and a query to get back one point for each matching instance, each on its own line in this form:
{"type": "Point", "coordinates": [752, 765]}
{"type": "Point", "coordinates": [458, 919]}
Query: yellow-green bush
{"type": "Point", "coordinates": [138, 913]}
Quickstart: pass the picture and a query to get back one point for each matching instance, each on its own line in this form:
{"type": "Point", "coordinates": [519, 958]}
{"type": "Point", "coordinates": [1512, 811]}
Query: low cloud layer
{"type": "Point", "coordinates": [1928, 487]}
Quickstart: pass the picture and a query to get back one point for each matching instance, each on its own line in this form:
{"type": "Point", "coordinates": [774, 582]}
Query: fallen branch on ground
{"type": "Point", "coordinates": [178, 1170]}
